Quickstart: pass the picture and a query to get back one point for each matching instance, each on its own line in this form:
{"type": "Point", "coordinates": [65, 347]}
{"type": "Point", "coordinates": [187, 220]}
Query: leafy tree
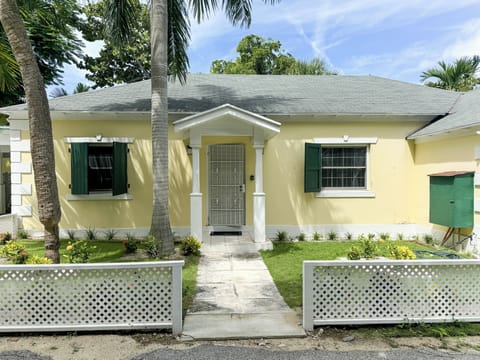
{"type": "Point", "coordinates": [50, 26]}
{"type": "Point", "coordinates": [256, 56]}
{"type": "Point", "coordinates": [459, 76]}
{"type": "Point", "coordinates": [170, 34]}
{"type": "Point", "coordinates": [117, 63]}
{"type": "Point", "coordinates": [267, 57]}
{"type": "Point", "coordinates": [40, 125]}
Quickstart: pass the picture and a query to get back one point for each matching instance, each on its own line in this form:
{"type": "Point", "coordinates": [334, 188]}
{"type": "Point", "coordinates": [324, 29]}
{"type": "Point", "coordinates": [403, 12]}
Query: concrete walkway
{"type": "Point", "coordinates": [236, 297]}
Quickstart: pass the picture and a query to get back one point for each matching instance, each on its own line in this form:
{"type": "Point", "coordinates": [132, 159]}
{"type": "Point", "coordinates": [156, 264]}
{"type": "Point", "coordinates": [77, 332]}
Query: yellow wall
{"type": "Point", "coordinates": [397, 175]}
{"type": "Point", "coordinates": [391, 162]}
{"type": "Point", "coordinates": [456, 154]}
{"type": "Point", "coordinates": [134, 213]}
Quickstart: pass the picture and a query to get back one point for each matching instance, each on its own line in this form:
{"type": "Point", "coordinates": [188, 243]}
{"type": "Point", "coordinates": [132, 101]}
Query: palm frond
{"type": "Point", "coordinates": [202, 8]}
{"type": "Point", "coordinates": [120, 19]}
{"type": "Point", "coordinates": [10, 77]}
{"type": "Point", "coordinates": [178, 40]}
{"type": "Point", "coordinates": [239, 12]}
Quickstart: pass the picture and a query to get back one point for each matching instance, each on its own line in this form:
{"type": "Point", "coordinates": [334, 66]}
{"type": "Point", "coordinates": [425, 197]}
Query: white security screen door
{"type": "Point", "coordinates": [226, 184]}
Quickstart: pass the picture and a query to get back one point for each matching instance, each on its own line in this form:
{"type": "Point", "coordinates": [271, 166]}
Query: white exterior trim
{"type": "Point", "coordinates": [345, 194]}
{"type": "Point", "coordinates": [21, 168]}
{"type": "Point", "coordinates": [15, 156]}
{"type": "Point", "coordinates": [346, 140]}
{"type": "Point", "coordinates": [101, 140]}
{"type": "Point", "coordinates": [21, 146]}
{"type": "Point", "coordinates": [21, 189]}
{"type": "Point", "coordinates": [16, 178]}
{"type": "Point", "coordinates": [23, 210]}
{"type": "Point", "coordinates": [106, 196]}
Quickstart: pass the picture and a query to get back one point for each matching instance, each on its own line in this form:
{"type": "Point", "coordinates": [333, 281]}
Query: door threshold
{"type": "Point", "coordinates": [225, 230]}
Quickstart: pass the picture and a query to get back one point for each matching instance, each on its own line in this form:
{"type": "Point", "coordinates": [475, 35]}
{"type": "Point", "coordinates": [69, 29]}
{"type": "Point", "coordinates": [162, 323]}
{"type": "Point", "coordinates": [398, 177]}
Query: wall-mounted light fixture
{"type": "Point", "coordinates": [99, 137]}
{"type": "Point", "coordinates": [189, 149]}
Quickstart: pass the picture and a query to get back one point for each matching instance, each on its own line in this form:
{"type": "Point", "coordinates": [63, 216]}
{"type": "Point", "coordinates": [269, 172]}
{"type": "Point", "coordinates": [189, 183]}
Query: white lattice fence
{"type": "Point", "coordinates": [378, 291]}
{"type": "Point", "coordinates": [78, 297]}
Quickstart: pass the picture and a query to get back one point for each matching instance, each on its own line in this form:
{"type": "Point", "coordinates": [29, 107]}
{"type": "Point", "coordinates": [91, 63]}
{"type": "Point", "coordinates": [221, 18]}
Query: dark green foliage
{"type": "Point", "coordinates": [281, 236]}
{"type": "Point", "coordinates": [267, 57]}
{"type": "Point", "coordinates": [461, 75]}
{"type": "Point", "coordinates": [153, 247]}
{"type": "Point", "coordinates": [117, 64]}
{"type": "Point", "coordinates": [51, 28]}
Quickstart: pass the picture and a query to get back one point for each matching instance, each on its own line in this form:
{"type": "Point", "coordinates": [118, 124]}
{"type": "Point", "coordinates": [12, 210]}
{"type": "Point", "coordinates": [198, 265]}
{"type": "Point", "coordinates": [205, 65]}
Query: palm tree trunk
{"type": "Point", "coordinates": [40, 126]}
{"type": "Point", "coordinates": [160, 226]}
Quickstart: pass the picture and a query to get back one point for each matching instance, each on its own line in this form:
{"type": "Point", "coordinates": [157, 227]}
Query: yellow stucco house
{"type": "Point", "coordinates": [257, 154]}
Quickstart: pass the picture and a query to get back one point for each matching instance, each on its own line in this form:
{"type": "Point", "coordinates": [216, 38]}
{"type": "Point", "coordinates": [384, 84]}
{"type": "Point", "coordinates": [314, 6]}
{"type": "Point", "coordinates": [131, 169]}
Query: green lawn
{"type": "Point", "coordinates": [285, 262]}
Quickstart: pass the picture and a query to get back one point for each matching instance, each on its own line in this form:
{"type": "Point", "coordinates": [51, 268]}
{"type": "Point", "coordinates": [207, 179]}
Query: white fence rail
{"type": "Point", "coordinates": [392, 291]}
{"type": "Point", "coordinates": [77, 297]}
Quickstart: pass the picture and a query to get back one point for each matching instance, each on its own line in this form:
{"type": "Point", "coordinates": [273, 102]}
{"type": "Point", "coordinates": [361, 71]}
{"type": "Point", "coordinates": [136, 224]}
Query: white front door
{"type": "Point", "coordinates": [226, 184]}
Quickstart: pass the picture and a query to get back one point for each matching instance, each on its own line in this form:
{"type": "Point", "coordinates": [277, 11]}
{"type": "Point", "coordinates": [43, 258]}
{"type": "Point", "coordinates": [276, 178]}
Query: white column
{"type": "Point", "coordinates": [196, 195]}
{"type": "Point", "coordinates": [259, 196]}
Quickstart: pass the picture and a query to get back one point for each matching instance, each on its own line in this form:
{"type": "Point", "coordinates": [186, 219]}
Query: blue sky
{"type": "Point", "coordinates": [388, 38]}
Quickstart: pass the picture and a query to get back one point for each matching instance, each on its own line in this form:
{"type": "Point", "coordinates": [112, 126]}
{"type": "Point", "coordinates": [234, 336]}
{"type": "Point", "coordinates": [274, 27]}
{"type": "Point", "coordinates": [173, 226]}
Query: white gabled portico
{"type": "Point", "coordinates": [227, 120]}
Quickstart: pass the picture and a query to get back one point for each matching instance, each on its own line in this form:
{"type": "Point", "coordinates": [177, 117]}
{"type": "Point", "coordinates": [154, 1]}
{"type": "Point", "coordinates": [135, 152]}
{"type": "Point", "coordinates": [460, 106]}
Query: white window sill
{"type": "Point", "coordinates": [106, 196]}
{"type": "Point", "coordinates": [345, 194]}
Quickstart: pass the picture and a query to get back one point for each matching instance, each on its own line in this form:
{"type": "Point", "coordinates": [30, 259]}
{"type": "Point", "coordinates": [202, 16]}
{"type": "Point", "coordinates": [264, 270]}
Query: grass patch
{"type": "Point", "coordinates": [438, 330]}
{"type": "Point", "coordinates": [189, 281]}
{"type": "Point", "coordinates": [286, 259]}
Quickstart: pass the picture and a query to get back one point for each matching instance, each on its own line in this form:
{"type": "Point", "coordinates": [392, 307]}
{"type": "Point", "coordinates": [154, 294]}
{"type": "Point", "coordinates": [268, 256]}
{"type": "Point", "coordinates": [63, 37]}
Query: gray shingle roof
{"type": "Point", "coordinates": [465, 113]}
{"type": "Point", "coordinates": [263, 94]}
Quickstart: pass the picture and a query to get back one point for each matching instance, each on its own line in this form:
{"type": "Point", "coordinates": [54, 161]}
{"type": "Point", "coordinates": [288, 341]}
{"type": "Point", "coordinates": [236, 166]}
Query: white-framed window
{"type": "Point", "coordinates": [98, 168]}
{"type": "Point", "coordinates": [338, 167]}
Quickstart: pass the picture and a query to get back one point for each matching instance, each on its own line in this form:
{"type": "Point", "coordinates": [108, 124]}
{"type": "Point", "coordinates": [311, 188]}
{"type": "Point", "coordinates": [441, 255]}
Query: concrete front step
{"type": "Point", "coordinates": [241, 326]}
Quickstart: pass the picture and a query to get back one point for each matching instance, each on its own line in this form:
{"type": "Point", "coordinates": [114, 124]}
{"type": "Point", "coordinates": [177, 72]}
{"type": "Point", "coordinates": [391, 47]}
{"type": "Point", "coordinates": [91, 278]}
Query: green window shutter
{"type": "Point", "coordinates": [313, 167]}
{"type": "Point", "coordinates": [119, 182]}
{"type": "Point", "coordinates": [79, 162]}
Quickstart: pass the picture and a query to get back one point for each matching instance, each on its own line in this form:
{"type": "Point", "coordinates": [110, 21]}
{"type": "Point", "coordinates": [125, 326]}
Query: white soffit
{"type": "Point", "coordinates": [219, 119]}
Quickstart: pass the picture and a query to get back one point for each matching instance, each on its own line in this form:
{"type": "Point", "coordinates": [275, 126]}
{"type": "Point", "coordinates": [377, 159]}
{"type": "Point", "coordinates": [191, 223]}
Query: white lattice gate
{"type": "Point", "coordinates": [78, 297]}
{"type": "Point", "coordinates": [373, 292]}
{"type": "Point", "coordinates": [226, 184]}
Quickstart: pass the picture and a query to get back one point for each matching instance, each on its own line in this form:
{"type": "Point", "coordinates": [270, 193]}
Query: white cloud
{"type": "Point", "coordinates": [466, 40]}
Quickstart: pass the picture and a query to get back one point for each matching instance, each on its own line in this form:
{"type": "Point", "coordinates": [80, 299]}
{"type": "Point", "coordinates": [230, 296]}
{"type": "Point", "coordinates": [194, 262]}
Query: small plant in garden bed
{"type": "Point", "coordinates": [130, 245]}
{"type": "Point", "coordinates": [15, 252]}
{"type": "Point", "coordinates": [110, 234]}
{"type": "Point", "coordinates": [316, 236]}
{"type": "Point", "coordinates": [36, 260]}
{"type": "Point", "coordinates": [401, 252]}
{"type": "Point", "coordinates": [301, 237]}
{"type": "Point", "coordinates": [332, 235]}
{"type": "Point", "coordinates": [399, 236]}
{"type": "Point", "coordinates": [78, 251]}
{"type": "Point", "coordinates": [153, 247]}
{"type": "Point", "coordinates": [71, 235]}
{"type": "Point", "coordinates": [4, 237]}
{"type": "Point", "coordinates": [354, 253]}
{"type": "Point", "coordinates": [191, 246]}
{"type": "Point", "coordinates": [428, 239]}
{"type": "Point", "coordinates": [384, 236]}
{"type": "Point", "coordinates": [348, 236]}
{"type": "Point", "coordinates": [371, 236]}
{"type": "Point", "coordinates": [281, 236]}
{"type": "Point", "coordinates": [22, 234]}
{"type": "Point", "coordinates": [91, 234]}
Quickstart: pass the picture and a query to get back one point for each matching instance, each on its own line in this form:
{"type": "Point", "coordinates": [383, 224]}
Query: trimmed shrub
{"type": "Point", "coordinates": [191, 246]}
